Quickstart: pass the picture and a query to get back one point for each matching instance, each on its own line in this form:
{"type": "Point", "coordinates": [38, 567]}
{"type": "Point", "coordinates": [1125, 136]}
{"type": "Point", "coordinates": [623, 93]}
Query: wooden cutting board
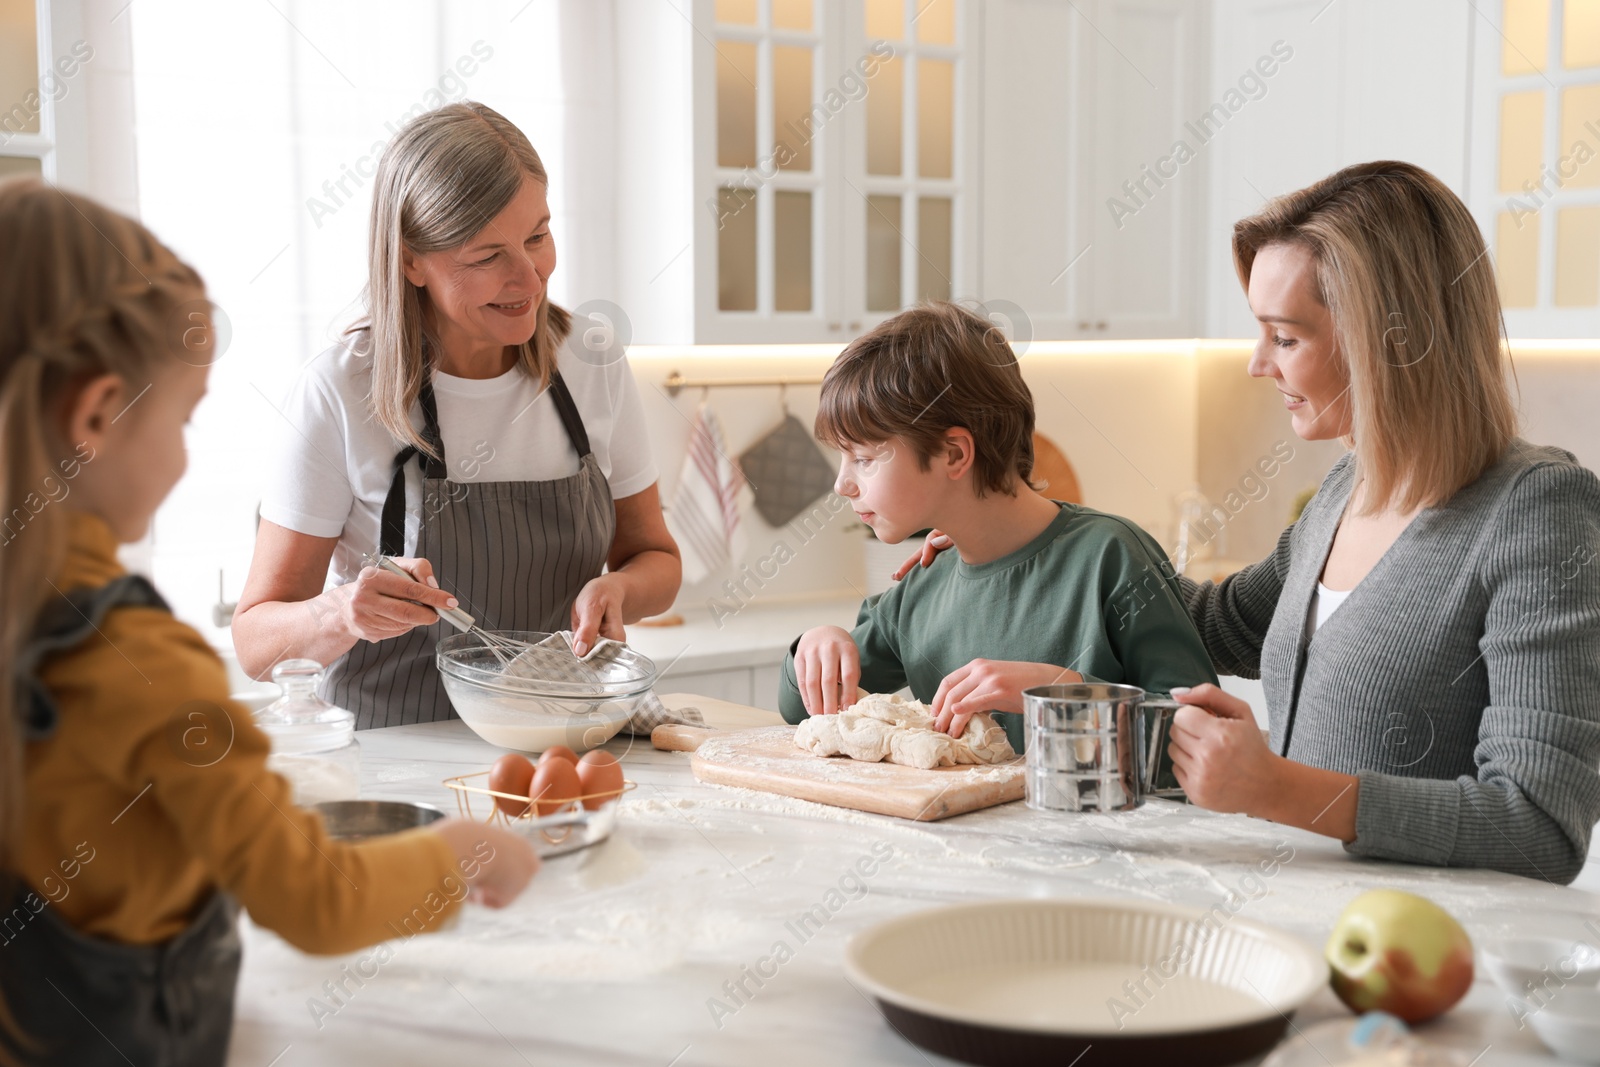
{"type": "Point", "coordinates": [766, 759]}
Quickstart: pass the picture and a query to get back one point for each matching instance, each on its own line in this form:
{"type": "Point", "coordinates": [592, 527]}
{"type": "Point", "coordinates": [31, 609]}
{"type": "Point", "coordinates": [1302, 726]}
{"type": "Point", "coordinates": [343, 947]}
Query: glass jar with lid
{"type": "Point", "coordinates": [313, 742]}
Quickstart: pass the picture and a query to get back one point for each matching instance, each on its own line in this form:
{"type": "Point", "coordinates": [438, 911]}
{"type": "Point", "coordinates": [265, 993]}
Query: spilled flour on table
{"type": "Point", "coordinates": [614, 937]}
{"type": "Point", "coordinates": [734, 799]}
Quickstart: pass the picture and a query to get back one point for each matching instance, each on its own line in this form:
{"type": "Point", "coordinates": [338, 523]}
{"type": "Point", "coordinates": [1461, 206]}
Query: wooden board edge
{"type": "Point", "coordinates": [872, 800]}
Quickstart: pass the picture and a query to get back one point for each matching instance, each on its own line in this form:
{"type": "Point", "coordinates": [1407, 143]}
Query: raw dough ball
{"type": "Point", "coordinates": [819, 734]}
{"type": "Point", "coordinates": [881, 727]}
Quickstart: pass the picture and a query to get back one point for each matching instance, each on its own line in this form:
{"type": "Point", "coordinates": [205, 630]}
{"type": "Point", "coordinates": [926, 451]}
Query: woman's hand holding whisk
{"type": "Point", "coordinates": [379, 605]}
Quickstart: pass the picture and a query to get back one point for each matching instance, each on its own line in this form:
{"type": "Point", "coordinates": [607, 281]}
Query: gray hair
{"type": "Point", "coordinates": [439, 182]}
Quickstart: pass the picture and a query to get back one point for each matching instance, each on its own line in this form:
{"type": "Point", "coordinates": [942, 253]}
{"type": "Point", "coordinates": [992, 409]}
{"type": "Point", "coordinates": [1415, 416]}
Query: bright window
{"type": "Point", "coordinates": [1537, 168]}
{"type": "Point", "coordinates": [258, 126]}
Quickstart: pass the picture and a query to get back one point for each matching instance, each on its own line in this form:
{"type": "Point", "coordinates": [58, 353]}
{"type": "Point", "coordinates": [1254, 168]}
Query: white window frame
{"type": "Point", "coordinates": [908, 185]}
{"type": "Point", "coordinates": [764, 324]}
{"type": "Point", "coordinates": [1544, 319]}
{"type": "Point", "coordinates": [838, 257]}
{"type": "Point", "coordinates": [41, 145]}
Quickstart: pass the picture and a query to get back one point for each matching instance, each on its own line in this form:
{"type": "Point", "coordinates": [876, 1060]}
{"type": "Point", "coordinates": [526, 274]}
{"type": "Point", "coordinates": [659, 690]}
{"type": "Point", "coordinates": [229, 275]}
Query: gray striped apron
{"type": "Point", "coordinates": [515, 554]}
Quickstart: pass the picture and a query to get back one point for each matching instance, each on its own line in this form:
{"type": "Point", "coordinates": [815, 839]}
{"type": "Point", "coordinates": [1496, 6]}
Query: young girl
{"type": "Point", "coordinates": [136, 810]}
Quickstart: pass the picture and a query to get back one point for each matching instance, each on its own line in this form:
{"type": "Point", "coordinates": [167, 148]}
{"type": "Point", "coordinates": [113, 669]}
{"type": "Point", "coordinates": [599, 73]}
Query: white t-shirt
{"type": "Point", "coordinates": [1324, 602]}
{"type": "Point", "coordinates": [336, 460]}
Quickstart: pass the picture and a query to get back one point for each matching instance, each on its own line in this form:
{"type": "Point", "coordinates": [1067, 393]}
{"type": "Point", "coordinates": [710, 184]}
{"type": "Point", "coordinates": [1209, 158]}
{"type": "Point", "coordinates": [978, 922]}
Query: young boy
{"type": "Point", "coordinates": [936, 430]}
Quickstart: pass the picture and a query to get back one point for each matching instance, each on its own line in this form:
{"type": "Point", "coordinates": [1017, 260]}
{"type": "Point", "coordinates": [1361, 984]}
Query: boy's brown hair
{"type": "Point", "coordinates": [928, 369]}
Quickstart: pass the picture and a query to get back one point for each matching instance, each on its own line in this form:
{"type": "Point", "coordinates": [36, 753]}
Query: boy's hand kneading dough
{"type": "Point", "coordinates": [883, 727]}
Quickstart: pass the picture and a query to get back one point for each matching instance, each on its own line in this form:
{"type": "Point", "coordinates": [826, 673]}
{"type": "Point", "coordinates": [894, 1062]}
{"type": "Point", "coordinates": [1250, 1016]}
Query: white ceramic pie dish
{"type": "Point", "coordinates": [1032, 981]}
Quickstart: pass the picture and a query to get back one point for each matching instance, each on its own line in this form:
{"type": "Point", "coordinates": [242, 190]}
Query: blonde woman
{"type": "Point", "coordinates": [460, 430]}
{"type": "Point", "coordinates": [1428, 632]}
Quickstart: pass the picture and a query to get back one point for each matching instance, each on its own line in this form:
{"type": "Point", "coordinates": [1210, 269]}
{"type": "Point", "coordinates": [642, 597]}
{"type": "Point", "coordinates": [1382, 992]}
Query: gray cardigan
{"type": "Point", "coordinates": [1460, 681]}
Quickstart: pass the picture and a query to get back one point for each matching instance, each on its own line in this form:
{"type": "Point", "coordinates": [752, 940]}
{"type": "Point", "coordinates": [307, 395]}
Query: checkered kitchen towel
{"type": "Point", "coordinates": [552, 660]}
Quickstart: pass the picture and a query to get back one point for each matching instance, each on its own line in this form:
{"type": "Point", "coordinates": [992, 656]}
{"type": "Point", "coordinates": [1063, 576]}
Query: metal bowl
{"type": "Point", "coordinates": [353, 820]}
{"type": "Point", "coordinates": [532, 714]}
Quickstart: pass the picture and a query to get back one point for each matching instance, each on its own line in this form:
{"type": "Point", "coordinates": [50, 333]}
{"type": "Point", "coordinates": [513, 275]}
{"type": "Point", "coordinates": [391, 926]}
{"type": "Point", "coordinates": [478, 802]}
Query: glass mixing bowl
{"type": "Point", "coordinates": [531, 714]}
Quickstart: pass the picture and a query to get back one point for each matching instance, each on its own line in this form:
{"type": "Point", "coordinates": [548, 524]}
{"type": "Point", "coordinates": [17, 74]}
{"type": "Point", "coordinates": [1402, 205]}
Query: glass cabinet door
{"type": "Point", "coordinates": [26, 137]}
{"type": "Point", "coordinates": [836, 181]}
{"type": "Point", "coordinates": [1538, 171]}
{"type": "Point", "coordinates": [768, 157]}
{"type": "Point", "coordinates": [910, 186]}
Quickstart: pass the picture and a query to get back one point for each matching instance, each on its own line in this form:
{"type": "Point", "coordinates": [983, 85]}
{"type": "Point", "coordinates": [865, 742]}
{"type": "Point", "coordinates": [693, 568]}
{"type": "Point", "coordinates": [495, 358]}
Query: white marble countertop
{"type": "Point", "coordinates": [613, 954]}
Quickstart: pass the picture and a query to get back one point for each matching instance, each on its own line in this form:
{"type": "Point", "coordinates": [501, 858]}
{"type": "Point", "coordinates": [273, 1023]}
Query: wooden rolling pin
{"type": "Point", "coordinates": [721, 717]}
{"type": "Point", "coordinates": [675, 737]}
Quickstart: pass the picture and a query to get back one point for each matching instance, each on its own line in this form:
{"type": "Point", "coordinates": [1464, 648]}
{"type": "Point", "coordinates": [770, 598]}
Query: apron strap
{"type": "Point", "coordinates": [568, 410]}
{"type": "Point", "coordinates": [392, 528]}
{"type": "Point", "coordinates": [392, 525]}
{"type": "Point", "coordinates": [65, 624]}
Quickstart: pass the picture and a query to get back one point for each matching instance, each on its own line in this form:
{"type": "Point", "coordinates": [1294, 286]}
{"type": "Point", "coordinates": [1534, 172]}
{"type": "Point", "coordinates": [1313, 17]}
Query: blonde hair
{"type": "Point", "coordinates": [86, 292]}
{"type": "Point", "coordinates": [1403, 269]}
{"type": "Point", "coordinates": [439, 182]}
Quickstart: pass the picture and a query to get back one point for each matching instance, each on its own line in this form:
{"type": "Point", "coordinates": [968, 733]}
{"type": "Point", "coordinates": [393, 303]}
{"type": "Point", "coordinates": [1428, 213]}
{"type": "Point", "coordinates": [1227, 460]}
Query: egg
{"type": "Point", "coordinates": [511, 773]}
{"type": "Point", "coordinates": [559, 752]}
{"type": "Point", "coordinates": [555, 785]}
{"type": "Point", "coordinates": [600, 776]}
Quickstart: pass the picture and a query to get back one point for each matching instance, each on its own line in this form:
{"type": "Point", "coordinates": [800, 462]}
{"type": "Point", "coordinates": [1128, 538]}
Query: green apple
{"type": "Point", "coordinates": [1400, 953]}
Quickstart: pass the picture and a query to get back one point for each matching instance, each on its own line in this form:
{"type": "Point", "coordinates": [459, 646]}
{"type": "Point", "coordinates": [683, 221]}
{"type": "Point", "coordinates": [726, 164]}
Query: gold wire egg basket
{"type": "Point", "coordinates": [554, 827]}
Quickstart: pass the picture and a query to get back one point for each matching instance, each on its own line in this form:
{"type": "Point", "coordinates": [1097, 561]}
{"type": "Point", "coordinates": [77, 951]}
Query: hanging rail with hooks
{"type": "Point", "coordinates": [676, 382]}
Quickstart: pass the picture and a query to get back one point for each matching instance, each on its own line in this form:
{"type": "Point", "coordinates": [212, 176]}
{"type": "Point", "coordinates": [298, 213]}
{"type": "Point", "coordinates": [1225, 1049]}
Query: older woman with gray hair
{"type": "Point", "coordinates": [458, 429]}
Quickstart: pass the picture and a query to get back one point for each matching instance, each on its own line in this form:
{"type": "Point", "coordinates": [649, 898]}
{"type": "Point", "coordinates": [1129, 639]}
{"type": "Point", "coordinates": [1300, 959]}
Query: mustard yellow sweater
{"type": "Point", "coordinates": [154, 791]}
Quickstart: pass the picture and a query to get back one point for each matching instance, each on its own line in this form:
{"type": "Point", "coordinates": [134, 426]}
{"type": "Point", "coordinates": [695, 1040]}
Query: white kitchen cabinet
{"type": "Point", "coordinates": [738, 661]}
{"type": "Point", "coordinates": [1139, 131]}
{"type": "Point", "coordinates": [812, 165]}
{"type": "Point", "coordinates": [1143, 168]}
{"type": "Point", "coordinates": [732, 684]}
{"type": "Point", "coordinates": [1503, 105]}
{"type": "Point", "coordinates": [1101, 152]}
{"type": "Point", "coordinates": [1362, 80]}
{"type": "Point", "coordinates": [764, 686]}
{"type": "Point", "coordinates": [1089, 223]}
{"type": "Point", "coordinates": [755, 686]}
{"type": "Point", "coordinates": [1015, 151]}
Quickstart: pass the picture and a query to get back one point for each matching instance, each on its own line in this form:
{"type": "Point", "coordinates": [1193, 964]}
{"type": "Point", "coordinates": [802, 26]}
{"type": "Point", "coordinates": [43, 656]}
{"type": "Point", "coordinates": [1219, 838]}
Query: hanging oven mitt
{"type": "Point", "coordinates": [786, 471]}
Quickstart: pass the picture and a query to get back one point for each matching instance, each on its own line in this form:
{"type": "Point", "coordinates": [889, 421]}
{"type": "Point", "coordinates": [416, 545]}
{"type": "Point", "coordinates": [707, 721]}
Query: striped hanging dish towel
{"type": "Point", "coordinates": [704, 513]}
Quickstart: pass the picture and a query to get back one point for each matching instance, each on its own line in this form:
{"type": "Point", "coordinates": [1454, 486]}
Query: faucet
{"type": "Point", "coordinates": [222, 611]}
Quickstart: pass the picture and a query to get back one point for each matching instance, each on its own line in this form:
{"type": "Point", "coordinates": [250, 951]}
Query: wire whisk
{"type": "Point", "coordinates": [504, 648]}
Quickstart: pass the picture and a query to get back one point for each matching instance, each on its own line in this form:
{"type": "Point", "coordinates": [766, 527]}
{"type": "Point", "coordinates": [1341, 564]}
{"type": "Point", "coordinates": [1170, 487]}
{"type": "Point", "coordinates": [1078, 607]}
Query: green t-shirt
{"type": "Point", "coordinates": [1090, 594]}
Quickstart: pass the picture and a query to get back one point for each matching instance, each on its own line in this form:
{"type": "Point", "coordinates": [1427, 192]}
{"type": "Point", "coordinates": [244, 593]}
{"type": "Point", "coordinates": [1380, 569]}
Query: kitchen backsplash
{"type": "Point", "coordinates": [1141, 422]}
